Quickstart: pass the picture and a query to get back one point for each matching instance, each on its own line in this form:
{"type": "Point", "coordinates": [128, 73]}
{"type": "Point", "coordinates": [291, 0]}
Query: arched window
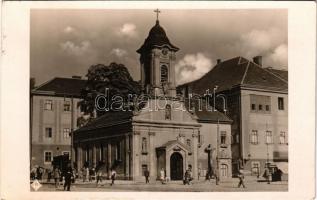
{"type": "Point", "coordinates": [164, 74]}
{"type": "Point", "coordinates": [224, 170]}
{"type": "Point", "coordinates": [168, 112]}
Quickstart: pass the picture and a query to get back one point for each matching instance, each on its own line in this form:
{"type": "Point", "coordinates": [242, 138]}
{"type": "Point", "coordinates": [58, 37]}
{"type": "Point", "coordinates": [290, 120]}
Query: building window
{"type": "Point", "coordinates": [255, 168]}
{"type": "Point", "coordinates": [168, 112]}
{"type": "Point", "coordinates": [260, 107]}
{"type": "Point", "coordinates": [283, 138]}
{"type": "Point", "coordinates": [253, 107]}
{"type": "Point", "coordinates": [66, 106]}
{"type": "Point", "coordinates": [144, 145]}
{"type": "Point", "coordinates": [224, 170]}
{"type": "Point", "coordinates": [281, 103]}
{"type": "Point", "coordinates": [48, 156]}
{"type": "Point", "coordinates": [269, 137]}
{"type": "Point", "coordinates": [164, 74]}
{"type": "Point", "coordinates": [223, 138]}
{"type": "Point", "coordinates": [48, 132]}
{"type": "Point", "coordinates": [254, 138]}
{"type": "Point", "coordinates": [237, 137]}
{"type": "Point", "coordinates": [48, 105]}
{"type": "Point", "coordinates": [267, 107]}
{"type": "Point", "coordinates": [66, 132]}
{"type": "Point", "coordinates": [188, 142]}
{"type": "Point", "coordinates": [260, 103]}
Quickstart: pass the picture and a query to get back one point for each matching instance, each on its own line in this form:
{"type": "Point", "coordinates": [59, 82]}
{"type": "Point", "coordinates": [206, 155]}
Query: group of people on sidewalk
{"type": "Point", "coordinates": [68, 177]}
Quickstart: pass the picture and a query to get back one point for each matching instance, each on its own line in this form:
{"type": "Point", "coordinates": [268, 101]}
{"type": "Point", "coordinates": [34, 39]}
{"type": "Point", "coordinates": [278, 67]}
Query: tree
{"type": "Point", "coordinates": [115, 77]}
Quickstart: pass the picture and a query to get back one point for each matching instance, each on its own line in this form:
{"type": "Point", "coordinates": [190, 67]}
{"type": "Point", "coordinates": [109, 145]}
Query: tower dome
{"type": "Point", "coordinates": [157, 38]}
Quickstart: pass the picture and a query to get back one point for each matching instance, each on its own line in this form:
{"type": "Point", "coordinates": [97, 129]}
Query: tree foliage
{"type": "Point", "coordinates": [115, 77]}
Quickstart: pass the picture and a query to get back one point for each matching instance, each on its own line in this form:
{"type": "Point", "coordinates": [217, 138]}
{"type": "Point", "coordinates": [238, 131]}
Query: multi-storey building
{"type": "Point", "coordinates": [54, 115]}
{"type": "Point", "coordinates": [256, 100]}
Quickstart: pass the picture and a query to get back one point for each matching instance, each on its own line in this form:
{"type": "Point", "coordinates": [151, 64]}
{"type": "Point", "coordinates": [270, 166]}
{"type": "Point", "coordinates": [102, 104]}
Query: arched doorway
{"type": "Point", "coordinates": [176, 162]}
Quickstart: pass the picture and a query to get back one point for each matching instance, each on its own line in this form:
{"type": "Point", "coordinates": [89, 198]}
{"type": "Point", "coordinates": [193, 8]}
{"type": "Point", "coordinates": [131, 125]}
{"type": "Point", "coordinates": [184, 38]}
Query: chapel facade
{"type": "Point", "coordinates": [164, 134]}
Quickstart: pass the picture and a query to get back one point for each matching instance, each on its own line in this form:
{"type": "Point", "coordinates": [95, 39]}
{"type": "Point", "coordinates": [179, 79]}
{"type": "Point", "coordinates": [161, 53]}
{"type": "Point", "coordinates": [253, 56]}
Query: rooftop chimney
{"type": "Point", "coordinates": [32, 83]}
{"type": "Point", "coordinates": [218, 61]}
{"type": "Point", "coordinates": [258, 60]}
{"type": "Point", "coordinates": [76, 77]}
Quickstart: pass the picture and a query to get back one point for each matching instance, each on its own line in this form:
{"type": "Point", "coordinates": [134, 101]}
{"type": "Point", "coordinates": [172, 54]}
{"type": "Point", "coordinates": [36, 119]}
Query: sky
{"type": "Point", "coordinates": [64, 43]}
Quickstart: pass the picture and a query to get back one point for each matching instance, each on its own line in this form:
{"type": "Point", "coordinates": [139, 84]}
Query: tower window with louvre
{"type": "Point", "coordinates": [164, 74]}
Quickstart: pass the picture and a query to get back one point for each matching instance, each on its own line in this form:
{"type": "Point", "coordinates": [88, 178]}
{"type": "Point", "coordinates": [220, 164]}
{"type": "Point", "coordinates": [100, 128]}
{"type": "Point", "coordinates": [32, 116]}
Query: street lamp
{"type": "Point", "coordinates": [267, 159]}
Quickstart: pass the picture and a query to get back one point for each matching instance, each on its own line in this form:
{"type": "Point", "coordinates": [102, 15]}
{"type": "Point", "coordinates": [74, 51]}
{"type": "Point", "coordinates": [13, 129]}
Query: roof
{"type": "Point", "coordinates": [241, 72]}
{"type": "Point", "coordinates": [209, 115]}
{"type": "Point", "coordinates": [62, 86]}
{"type": "Point", "coordinates": [110, 118]}
{"type": "Point", "coordinates": [281, 73]}
{"type": "Point", "coordinates": [157, 37]}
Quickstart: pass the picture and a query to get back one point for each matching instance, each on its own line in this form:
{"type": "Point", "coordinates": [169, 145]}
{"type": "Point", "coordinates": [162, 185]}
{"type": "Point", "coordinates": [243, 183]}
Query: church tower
{"type": "Point", "coordinates": [157, 58]}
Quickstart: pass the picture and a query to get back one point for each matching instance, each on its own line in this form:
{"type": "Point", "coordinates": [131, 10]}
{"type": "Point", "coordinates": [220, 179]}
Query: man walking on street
{"type": "Point", "coordinates": [99, 177]}
{"type": "Point", "coordinates": [241, 178]}
{"type": "Point", "coordinates": [147, 174]}
{"type": "Point", "coordinates": [68, 178]}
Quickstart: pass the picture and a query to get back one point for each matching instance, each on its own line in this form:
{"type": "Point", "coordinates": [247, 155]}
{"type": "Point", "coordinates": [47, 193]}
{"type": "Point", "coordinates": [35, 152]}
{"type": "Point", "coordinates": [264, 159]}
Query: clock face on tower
{"type": "Point", "coordinates": [164, 51]}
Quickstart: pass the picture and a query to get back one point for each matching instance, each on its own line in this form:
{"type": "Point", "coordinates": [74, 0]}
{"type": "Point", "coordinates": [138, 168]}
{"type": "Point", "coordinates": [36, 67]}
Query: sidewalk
{"type": "Point", "coordinates": [230, 181]}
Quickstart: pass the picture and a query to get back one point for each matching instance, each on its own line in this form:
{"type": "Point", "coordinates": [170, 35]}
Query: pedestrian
{"type": "Point", "coordinates": [216, 176]}
{"type": "Point", "coordinates": [68, 178]}
{"type": "Point", "coordinates": [113, 176]}
{"type": "Point", "coordinates": [162, 173]}
{"type": "Point", "coordinates": [266, 175]}
{"type": "Point", "coordinates": [186, 178]}
{"type": "Point", "coordinates": [83, 170]}
{"type": "Point", "coordinates": [57, 175]}
{"type": "Point", "coordinates": [99, 177]}
{"type": "Point", "coordinates": [147, 174]}
{"type": "Point", "coordinates": [87, 174]}
{"type": "Point", "coordinates": [49, 174]}
{"type": "Point", "coordinates": [241, 178]}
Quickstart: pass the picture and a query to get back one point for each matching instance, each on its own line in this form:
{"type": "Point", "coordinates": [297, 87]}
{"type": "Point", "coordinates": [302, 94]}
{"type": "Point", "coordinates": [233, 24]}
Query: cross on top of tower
{"type": "Point", "coordinates": [157, 13]}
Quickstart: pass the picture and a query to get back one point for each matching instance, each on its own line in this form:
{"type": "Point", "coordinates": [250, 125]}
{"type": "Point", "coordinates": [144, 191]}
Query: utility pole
{"type": "Point", "coordinates": [71, 132]}
{"type": "Point", "coordinates": [217, 158]}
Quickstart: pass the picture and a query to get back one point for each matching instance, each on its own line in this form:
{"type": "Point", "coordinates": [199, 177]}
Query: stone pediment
{"type": "Point", "coordinates": [175, 145]}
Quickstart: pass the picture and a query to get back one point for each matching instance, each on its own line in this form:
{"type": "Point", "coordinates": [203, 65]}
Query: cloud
{"type": "Point", "coordinates": [69, 29]}
{"type": "Point", "coordinates": [119, 52]}
{"type": "Point", "coordinates": [192, 67]}
{"type": "Point", "coordinates": [269, 43]}
{"type": "Point", "coordinates": [76, 49]}
{"type": "Point", "coordinates": [128, 30]}
{"type": "Point", "coordinates": [279, 57]}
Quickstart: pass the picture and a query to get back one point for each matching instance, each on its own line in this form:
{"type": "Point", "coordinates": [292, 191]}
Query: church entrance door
{"type": "Point", "coordinates": [176, 162]}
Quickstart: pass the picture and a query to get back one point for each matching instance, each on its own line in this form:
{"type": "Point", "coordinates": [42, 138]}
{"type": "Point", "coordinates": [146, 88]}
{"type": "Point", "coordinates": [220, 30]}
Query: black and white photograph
{"type": "Point", "coordinates": [168, 100]}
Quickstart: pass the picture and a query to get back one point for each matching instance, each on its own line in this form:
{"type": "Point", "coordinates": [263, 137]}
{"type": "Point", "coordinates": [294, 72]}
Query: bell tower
{"type": "Point", "coordinates": [157, 58]}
